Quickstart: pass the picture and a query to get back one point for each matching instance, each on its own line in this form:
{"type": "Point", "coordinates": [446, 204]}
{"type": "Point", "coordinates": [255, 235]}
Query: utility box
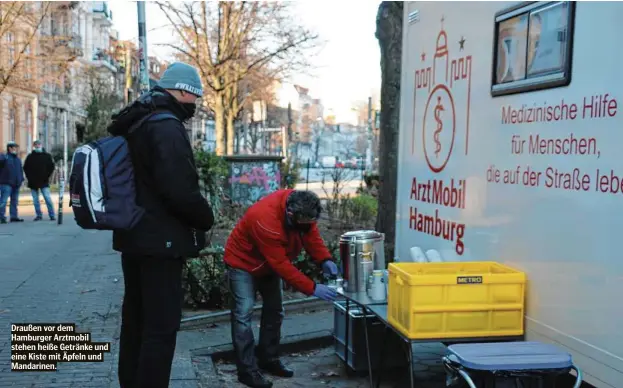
{"type": "Point", "coordinates": [252, 177]}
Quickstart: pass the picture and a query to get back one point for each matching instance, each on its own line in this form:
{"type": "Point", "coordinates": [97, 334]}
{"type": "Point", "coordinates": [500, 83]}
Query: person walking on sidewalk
{"type": "Point", "coordinates": [259, 254]}
{"type": "Point", "coordinates": [11, 179]}
{"type": "Point", "coordinates": [172, 228]}
{"type": "Point", "coordinates": [38, 168]}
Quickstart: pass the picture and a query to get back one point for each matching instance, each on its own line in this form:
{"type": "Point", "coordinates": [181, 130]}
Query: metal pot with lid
{"type": "Point", "coordinates": [361, 252]}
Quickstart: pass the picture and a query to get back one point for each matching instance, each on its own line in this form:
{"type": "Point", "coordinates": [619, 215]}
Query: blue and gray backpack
{"type": "Point", "coordinates": [101, 183]}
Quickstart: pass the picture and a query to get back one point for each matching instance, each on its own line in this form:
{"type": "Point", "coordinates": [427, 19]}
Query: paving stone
{"type": "Point", "coordinates": [52, 273]}
{"type": "Point", "coordinates": [321, 368]}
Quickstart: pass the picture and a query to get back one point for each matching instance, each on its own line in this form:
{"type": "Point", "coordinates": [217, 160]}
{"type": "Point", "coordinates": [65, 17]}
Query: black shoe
{"type": "Point", "coordinates": [52, 218]}
{"type": "Point", "coordinates": [3, 221]}
{"type": "Point", "coordinates": [254, 379]}
{"type": "Point", "coordinates": [38, 218]}
{"type": "Point", "coordinates": [17, 220]}
{"type": "Point", "coordinates": [276, 368]}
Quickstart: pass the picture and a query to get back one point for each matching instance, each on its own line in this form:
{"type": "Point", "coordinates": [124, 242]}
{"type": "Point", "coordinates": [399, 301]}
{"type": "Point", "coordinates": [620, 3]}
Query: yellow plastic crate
{"type": "Point", "coordinates": [456, 300]}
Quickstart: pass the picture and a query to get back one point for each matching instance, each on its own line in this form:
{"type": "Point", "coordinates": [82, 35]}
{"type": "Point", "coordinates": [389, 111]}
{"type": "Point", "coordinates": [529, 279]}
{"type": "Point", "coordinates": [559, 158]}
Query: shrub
{"type": "Point", "coordinates": [338, 178]}
{"type": "Point", "coordinates": [213, 171]}
{"type": "Point", "coordinates": [289, 172]}
{"type": "Point", "coordinates": [309, 268]}
{"type": "Point", "coordinates": [363, 208]}
{"type": "Point", "coordinates": [204, 280]}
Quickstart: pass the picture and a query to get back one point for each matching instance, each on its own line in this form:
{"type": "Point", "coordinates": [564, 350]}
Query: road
{"type": "Point", "coordinates": [316, 174]}
{"type": "Point", "coordinates": [350, 181]}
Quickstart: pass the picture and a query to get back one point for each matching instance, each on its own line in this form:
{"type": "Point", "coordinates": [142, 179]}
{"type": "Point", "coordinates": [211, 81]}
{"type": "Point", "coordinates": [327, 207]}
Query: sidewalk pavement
{"type": "Point", "coordinates": [52, 273]}
{"type": "Point", "coordinates": [61, 273]}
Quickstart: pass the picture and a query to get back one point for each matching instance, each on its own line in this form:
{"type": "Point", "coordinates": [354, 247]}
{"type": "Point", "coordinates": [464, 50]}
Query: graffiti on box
{"type": "Point", "coordinates": [250, 181]}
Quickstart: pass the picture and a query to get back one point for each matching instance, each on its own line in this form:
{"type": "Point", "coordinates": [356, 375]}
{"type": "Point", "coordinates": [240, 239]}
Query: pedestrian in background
{"type": "Point", "coordinates": [11, 179]}
{"type": "Point", "coordinates": [38, 168]}
{"type": "Point", "coordinates": [172, 229]}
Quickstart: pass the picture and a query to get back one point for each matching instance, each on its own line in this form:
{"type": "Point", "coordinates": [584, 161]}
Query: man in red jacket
{"type": "Point", "coordinates": [259, 254]}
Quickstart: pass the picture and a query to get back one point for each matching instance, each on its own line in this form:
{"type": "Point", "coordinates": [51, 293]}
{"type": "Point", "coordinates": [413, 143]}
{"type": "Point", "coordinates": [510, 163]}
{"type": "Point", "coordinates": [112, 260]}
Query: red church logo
{"type": "Point", "coordinates": [442, 97]}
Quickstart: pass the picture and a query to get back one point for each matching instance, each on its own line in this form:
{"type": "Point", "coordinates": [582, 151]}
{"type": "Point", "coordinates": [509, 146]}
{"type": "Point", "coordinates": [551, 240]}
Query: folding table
{"type": "Point", "coordinates": [381, 312]}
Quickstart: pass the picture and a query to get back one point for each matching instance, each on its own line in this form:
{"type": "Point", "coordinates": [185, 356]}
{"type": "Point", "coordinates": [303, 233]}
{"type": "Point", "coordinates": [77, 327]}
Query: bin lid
{"type": "Point", "coordinates": [507, 356]}
{"type": "Point", "coordinates": [362, 235]}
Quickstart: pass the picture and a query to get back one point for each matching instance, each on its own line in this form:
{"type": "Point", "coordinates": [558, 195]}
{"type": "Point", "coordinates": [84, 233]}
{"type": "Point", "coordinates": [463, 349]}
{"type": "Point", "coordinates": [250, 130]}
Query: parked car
{"type": "Point", "coordinates": [355, 163]}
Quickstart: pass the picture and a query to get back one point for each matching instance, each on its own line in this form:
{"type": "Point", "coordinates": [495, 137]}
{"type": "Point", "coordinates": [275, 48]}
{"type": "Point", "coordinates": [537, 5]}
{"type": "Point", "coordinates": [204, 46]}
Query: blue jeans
{"type": "Point", "coordinates": [47, 197]}
{"type": "Point", "coordinates": [7, 192]}
{"type": "Point", "coordinates": [243, 287]}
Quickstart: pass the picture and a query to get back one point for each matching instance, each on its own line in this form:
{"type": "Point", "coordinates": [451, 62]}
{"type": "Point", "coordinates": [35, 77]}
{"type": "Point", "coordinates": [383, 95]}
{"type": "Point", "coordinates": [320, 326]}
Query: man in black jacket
{"type": "Point", "coordinates": [38, 168]}
{"type": "Point", "coordinates": [173, 228]}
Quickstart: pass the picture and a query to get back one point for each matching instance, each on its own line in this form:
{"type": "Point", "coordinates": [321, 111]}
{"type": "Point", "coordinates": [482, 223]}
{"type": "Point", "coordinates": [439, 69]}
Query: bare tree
{"type": "Point", "coordinates": [30, 59]}
{"type": "Point", "coordinates": [257, 98]}
{"type": "Point", "coordinates": [230, 42]}
{"type": "Point", "coordinates": [100, 101]}
{"type": "Point", "coordinates": [389, 34]}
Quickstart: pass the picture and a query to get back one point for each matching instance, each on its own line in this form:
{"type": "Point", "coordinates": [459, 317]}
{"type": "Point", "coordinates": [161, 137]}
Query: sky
{"type": "Point", "coordinates": [346, 70]}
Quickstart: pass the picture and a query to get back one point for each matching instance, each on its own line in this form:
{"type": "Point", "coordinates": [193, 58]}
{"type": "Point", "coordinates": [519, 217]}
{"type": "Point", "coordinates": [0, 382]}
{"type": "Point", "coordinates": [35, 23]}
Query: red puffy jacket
{"type": "Point", "coordinates": [261, 242]}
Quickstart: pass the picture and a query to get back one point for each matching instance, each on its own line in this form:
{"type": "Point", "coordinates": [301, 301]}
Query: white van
{"type": "Point", "coordinates": [511, 139]}
{"type": "Point", "coordinates": [328, 161]}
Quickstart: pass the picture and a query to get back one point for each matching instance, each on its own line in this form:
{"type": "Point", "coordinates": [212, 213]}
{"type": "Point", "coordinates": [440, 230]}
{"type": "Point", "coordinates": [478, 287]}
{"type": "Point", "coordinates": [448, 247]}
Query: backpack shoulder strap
{"type": "Point", "coordinates": [158, 115]}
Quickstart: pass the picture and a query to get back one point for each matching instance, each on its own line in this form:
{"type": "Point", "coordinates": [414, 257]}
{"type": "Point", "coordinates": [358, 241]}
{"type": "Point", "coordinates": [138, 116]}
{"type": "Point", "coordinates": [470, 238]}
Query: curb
{"type": "Point", "coordinates": [291, 306]}
{"type": "Point", "coordinates": [295, 343]}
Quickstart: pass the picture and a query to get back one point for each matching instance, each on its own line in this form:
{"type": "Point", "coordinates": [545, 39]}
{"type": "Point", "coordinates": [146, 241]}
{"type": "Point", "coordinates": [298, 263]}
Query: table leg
{"type": "Point", "coordinates": [410, 359]}
{"type": "Point", "coordinates": [379, 369]}
{"type": "Point", "coordinates": [346, 336]}
{"type": "Point", "coordinates": [365, 331]}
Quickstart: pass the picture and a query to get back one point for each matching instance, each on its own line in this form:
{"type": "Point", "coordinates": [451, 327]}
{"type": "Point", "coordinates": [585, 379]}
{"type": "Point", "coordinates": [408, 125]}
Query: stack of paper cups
{"type": "Point", "coordinates": [433, 256]}
{"type": "Point", "coordinates": [417, 255]}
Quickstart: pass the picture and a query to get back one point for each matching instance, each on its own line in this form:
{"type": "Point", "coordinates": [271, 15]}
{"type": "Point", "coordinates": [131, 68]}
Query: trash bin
{"type": "Point", "coordinates": [506, 365]}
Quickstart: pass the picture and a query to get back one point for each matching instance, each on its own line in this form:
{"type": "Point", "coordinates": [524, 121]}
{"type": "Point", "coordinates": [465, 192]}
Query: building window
{"type": "Point", "coordinates": [29, 121]}
{"type": "Point", "coordinates": [28, 62]}
{"type": "Point", "coordinates": [12, 125]}
{"type": "Point", "coordinates": [11, 45]}
{"type": "Point", "coordinates": [533, 47]}
{"type": "Point", "coordinates": [43, 123]}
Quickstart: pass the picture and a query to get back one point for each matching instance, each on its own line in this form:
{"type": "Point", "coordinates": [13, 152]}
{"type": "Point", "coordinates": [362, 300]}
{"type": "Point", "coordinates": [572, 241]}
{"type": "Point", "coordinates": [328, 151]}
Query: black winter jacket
{"type": "Point", "coordinates": [167, 184]}
{"type": "Point", "coordinates": [38, 168]}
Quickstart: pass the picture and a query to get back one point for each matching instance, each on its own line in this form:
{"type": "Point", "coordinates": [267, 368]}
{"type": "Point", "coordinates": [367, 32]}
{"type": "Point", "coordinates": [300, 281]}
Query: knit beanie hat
{"type": "Point", "coordinates": [182, 76]}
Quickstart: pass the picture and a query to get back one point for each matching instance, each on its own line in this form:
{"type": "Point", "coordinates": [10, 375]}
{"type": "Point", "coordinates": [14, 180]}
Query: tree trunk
{"type": "Point", "coordinates": [231, 112]}
{"type": "Point", "coordinates": [231, 132]}
{"type": "Point", "coordinates": [389, 34]}
{"type": "Point", "coordinates": [219, 126]}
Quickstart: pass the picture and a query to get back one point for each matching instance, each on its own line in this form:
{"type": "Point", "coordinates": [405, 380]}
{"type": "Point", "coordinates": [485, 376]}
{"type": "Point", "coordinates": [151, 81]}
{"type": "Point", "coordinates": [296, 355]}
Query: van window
{"type": "Point", "coordinates": [532, 47]}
